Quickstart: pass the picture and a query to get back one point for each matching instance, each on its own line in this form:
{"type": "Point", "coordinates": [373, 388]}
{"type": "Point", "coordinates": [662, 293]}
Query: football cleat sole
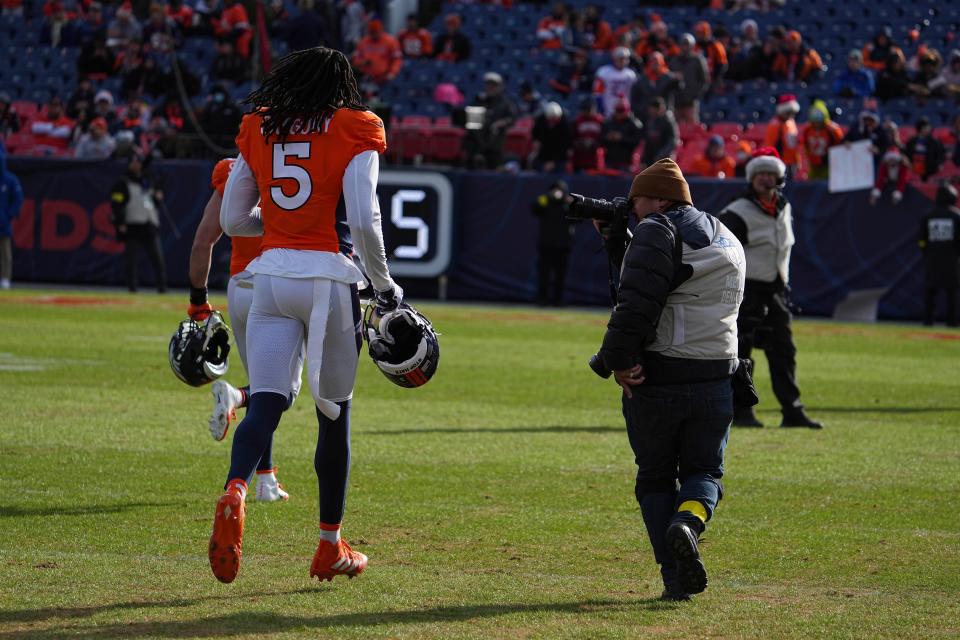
{"type": "Point", "coordinates": [225, 550]}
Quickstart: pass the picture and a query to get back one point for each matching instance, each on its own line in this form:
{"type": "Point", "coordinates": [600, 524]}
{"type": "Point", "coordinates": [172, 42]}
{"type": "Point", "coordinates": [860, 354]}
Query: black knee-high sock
{"type": "Point", "coordinates": [266, 460]}
{"type": "Point", "coordinates": [332, 462]}
{"type": "Point", "coordinates": [255, 433]}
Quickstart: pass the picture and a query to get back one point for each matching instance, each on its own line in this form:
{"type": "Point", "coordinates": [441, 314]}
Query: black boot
{"type": "Point", "coordinates": [799, 418]}
{"type": "Point", "coordinates": [745, 417]}
{"type": "Point", "coordinates": [682, 541]}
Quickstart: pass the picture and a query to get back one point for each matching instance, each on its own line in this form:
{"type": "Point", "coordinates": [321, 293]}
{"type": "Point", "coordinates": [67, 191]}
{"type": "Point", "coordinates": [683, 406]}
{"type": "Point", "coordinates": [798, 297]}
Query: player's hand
{"type": "Point", "coordinates": [628, 378]}
{"type": "Point", "coordinates": [390, 299]}
{"type": "Point", "coordinates": [200, 312]}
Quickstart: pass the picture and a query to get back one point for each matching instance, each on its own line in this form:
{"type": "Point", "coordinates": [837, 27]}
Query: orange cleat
{"type": "Point", "coordinates": [336, 560]}
{"type": "Point", "coordinates": [227, 539]}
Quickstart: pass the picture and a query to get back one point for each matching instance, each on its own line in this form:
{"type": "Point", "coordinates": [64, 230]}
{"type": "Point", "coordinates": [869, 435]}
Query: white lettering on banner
{"type": "Point", "coordinates": [419, 250]}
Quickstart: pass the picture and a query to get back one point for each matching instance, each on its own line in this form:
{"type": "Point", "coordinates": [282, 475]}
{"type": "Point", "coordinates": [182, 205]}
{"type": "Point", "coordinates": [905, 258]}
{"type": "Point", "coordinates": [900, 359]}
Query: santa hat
{"type": "Point", "coordinates": [766, 160]}
{"type": "Point", "coordinates": [892, 154]}
{"type": "Point", "coordinates": [787, 103]}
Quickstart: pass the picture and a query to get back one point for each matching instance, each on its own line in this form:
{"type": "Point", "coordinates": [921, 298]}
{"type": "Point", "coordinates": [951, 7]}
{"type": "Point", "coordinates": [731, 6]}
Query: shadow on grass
{"type": "Point", "coordinates": [259, 622]}
{"type": "Point", "coordinates": [7, 511]}
{"type": "Point", "coordinates": [547, 429]}
{"type": "Point", "coordinates": [878, 409]}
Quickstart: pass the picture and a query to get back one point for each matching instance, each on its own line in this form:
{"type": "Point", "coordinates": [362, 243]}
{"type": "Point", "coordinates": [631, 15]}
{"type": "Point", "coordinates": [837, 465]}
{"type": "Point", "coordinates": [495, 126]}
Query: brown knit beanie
{"type": "Point", "coordinates": [663, 179]}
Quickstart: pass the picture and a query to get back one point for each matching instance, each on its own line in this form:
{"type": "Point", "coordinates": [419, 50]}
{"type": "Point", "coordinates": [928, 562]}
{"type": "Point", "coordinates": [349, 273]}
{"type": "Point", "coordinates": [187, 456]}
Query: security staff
{"type": "Point", "coordinates": [762, 221]}
{"type": "Point", "coordinates": [554, 240]}
{"type": "Point", "coordinates": [940, 246]}
{"type": "Point", "coordinates": [671, 343]}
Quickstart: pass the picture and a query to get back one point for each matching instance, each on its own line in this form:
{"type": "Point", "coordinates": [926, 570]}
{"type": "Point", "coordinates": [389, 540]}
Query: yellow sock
{"type": "Point", "coordinates": [695, 508]}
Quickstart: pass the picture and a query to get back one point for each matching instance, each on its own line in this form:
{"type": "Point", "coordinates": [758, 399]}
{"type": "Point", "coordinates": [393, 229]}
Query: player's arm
{"type": "Point", "coordinates": [208, 232]}
{"type": "Point", "coordinates": [363, 216]}
{"type": "Point", "coordinates": [239, 215]}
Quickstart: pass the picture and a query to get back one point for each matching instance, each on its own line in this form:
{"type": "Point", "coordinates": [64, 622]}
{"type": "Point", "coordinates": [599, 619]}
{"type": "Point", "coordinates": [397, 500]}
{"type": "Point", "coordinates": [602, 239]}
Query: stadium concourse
{"type": "Point", "coordinates": [128, 51]}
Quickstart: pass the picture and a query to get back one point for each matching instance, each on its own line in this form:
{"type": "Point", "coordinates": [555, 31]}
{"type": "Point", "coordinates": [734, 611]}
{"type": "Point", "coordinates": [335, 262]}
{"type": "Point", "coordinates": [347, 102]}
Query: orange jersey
{"type": "Point", "coordinates": [242, 250]}
{"type": "Point", "coordinates": [817, 142]}
{"type": "Point", "coordinates": [301, 180]}
{"type": "Point", "coordinates": [785, 138]}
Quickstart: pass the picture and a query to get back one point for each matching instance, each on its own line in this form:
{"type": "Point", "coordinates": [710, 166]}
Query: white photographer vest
{"type": "Point", "coordinates": [699, 321]}
{"type": "Point", "coordinates": [769, 240]}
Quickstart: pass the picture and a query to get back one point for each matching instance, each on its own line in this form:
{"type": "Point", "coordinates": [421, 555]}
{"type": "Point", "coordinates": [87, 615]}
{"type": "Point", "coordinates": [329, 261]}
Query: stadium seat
{"type": "Point", "coordinates": [756, 133]}
{"type": "Point", "coordinates": [446, 143]}
{"type": "Point", "coordinates": [726, 129]}
{"type": "Point", "coordinates": [519, 141]}
{"type": "Point", "coordinates": [691, 131]}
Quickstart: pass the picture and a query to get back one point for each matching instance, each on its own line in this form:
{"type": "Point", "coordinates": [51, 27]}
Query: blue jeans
{"type": "Point", "coordinates": [679, 432]}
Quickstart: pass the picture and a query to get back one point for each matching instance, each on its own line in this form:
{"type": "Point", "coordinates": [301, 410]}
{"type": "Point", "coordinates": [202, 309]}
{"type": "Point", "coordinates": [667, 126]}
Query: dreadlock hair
{"type": "Point", "coordinates": [307, 85]}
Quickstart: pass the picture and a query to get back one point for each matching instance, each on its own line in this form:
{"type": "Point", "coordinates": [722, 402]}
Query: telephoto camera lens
{"type": "Point", "coordinates": [599, 368]}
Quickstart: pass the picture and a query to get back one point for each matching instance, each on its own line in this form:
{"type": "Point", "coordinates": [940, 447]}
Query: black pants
{"type": "Point", "coordinates": [551, 274]}
{"type": "Point", "coordinates": [930, 304]}
{"type": "Point", "coordinates": [144, 237]}
{"type": "Point", "coordinates": [764, 323]}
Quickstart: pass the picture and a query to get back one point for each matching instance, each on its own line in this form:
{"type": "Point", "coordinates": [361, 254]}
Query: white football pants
{"type": "Point", "coordinates": [289, 312]}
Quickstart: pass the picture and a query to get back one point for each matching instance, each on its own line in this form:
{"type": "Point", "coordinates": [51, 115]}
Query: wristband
{"type": "Point", "coordinates": [198, 295]}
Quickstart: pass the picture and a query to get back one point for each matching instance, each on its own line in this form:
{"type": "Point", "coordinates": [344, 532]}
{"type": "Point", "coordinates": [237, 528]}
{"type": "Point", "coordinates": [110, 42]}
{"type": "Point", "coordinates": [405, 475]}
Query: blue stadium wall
{"type": "Point", "coordinates": [843, 245]}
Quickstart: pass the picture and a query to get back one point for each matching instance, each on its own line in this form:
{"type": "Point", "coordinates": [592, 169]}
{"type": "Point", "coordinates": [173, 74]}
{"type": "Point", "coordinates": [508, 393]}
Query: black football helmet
{"type": "Point", "coordinates": [198, 352]}
{"type": "Point", "coordinates": [402, 343]}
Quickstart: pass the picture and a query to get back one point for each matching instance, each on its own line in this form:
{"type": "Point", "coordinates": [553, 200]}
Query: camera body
{"type": "Point", "coordinates": [583, 208]}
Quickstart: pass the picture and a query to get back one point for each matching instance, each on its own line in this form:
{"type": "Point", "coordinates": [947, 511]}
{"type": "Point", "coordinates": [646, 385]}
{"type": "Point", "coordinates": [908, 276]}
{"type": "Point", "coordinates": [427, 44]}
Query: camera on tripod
{"type": "Point", "coordinates": [584, 208]}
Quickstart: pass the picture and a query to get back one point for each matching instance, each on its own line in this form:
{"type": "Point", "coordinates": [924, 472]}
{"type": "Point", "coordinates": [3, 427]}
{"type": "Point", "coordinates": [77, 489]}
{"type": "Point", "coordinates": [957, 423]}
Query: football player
{"type": "Point", "coordinates": [226, 398]}
{"type": "Point", "coordinates": [308, 142]}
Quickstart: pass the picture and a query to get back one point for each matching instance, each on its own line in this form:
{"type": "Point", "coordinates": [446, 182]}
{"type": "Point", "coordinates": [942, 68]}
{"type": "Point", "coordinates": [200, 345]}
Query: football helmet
{"type": "Point", "coordinates": [198, 351]}
{"type": "Point", "coordinates": [402, 343]}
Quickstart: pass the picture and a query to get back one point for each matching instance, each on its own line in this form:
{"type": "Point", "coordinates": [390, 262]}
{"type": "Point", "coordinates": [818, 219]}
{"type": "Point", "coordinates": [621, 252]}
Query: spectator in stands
{"type": "Point", "coordinates": [153, 132]}
{"type": "Point", "coordinates": [620, 137]}
{"type": "Point", "coordinates": [552, 140]}
{"type": "Point", "coordinates": [221, 115]}
{"type": "Point", "coordinates": [660, 135]}
{"type": "Point", "coordinates": [11, 199]}
{"type": "Point", "coordinates": [655, 80]}
{"type": "Point", "coordinates": [877, 52]}
{"type": "Point", "coordinates": [484, 146]}
{"type": "Point", "coordinates": [575, 76]}
{"type": "Point", "coordinates": [96, 61]}
{"type": "Point", "coordinates": [868, 128]}
{"type": "Point", "coordinates": [614, 82]}
{"type": "Point", "coordinates": [130, 60]}
{"type": "Point", "coordinates": [924, 152]}
{"type": "Point", "coordinates": [55, 18]}
{"type": "Point", "coordinates": [452, 45]}
{"type": "Point", "coordinates": [759, 64]}
{"type": "Point", "coordinates": [658, 39]}
{"type": "Point", "coordinates": [926, 82]}
{"type": "Point", "coordinates": [97, 143]}
{"type": "Point", "coordinates": [948, 82]}
{"type": "Point", "coordinates": [205, 14]}
{"type": "Point", "coordinates": [309, 28]}
{"type": "Point", "coordinates": [630, 33]}
{"type": "Point", "coordinates": [9, 120]}
{"type": "Point", "coordinates": [80, 102]}
{"type": "Point", "coordinates": [234, 23]}
{"type": "Point", "coordinates": [378, 56]}
{"type": "Point", "coordinates": [135, 202]}
{"type": "Point", "coordinates": [587, 129]}
{"type": "Point", "coordinates": [711, 49]}
{"type": "Point", "coordinates": [103, 108]}
{"type": "Point", "coordinates": [52, 130]}
{"type": "Point", "coordinates": [531, 101]}
{"type": "Point", "coordinates": [554, 30]}
{"type": "Point", "coordinates": [182, 15]}
{"type": "Point", "coordinates": [161, 34]}
{"type": "Point", "coordinates": [596, 32]}
{"type": "Point", "coordinates": [415, 41]}
{"type": "Point", "coordinates": [554, 241]}
{"type": "Point", "coordinates": [714, 161]}
{"type": "Point", "coordinates": [893, 81]}
{"type": "Point", "coordinates": [892, 177]}
{"type": "Point", "coordinates": [691, 67]}
{"type": "Point", "coordinates": [168, 145]}
{"type": "Point", "coordinates": [940, 246]}
{"type": "Point", "coordinates": [749, 36]}
{"type": "Point", "coordinates": [782, 132]}
{"type": "Point", "coordinates": [275, 14]}
{"type": "Point", "coordinates": [854, 81]}
{"type": "Point", "coordinates": [228, 64]}
{"type": "Point", "coordinates": [123, 28]}
{"type": "Point", "coordinates": [747, 46]}
{"type": "Point", "coordinates": [133, 117]}
{"type": "Point", "coordinates": [817, 136]}
{"type": "Point", "coordinates": [796, 62]}
{"type": "Point", "coordinates": [146, 79]}
{"type": "Point", "coordinates": [83, 30]}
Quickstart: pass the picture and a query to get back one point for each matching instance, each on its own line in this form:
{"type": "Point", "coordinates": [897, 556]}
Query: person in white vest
{"type": "Point", "coordinates": [671, 344]}
{"type": "Point", "coordinates": [761, 219]}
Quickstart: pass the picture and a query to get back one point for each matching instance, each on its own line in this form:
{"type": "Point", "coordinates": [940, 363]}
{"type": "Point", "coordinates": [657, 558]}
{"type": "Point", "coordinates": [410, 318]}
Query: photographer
{"type": "Point", "coordinates": [671, 343]}
{"type": "Point", "coordinates": [762, 221]}
{"type": "Point", "coordinates": [554, 241]}
{"type": "Point", "coordinates": [134, 200]}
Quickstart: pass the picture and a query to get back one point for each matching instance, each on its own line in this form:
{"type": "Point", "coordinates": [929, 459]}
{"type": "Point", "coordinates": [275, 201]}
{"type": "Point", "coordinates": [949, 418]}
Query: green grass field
{"type": "Point", "coordinates": [496, 502]}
